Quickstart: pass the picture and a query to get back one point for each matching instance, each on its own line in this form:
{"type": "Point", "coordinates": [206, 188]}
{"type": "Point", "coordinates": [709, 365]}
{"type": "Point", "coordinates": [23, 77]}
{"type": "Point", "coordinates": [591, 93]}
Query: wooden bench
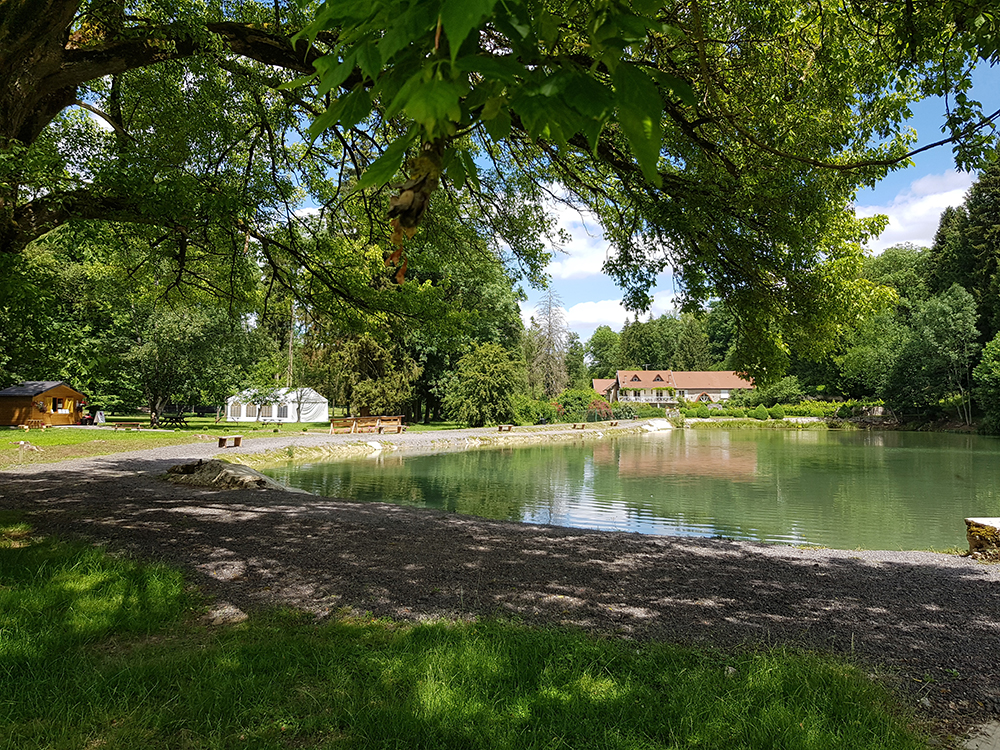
{"type": "Point", "coordinates": [224, 439]}
{"type": "Point", "coordinates": [33, 424]}
{"type": "Point", "coordinates": [127, 426]}
{"type": "Point", "coordinates": [505, 427]}
{"type": "Point", "coordinates": [580, 425]}
{"type": "Point", "coordinates": [367, 424]}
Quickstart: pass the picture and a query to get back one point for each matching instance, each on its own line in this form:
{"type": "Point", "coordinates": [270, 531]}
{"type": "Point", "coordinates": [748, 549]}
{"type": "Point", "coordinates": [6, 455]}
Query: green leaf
{"type": "Point", "coordinates": [434, 102]}
{"type": "Point", "coordinates": [500, 67]}
{"type": "Point", "coordinates": [459, 17]}
{"type": "Point", "coordinates": [384, 167]}
{"type": "Point", "coordinates": [370, 60]}
{"type": "Point", "coordinates": [456, 172]}
{"type": "Point", "coordinates": [678, 86]}
{"type": "Point", "coordinates": [354, 107]}
{"type": "Point", "coordinates": [470, 167]}
{"type": "Point", "coordinates": [587, 96]}
{"type": "Point", "coordinates": [288, 85]}
{"type": "Point", "coordinates": [498, 127]}
{"type": "Point", "coordinates": [639, 112]}
{"type": "Point", "coordinates": [347, 111]}
{"type": "Point", "coordinates": [492, 107]}
{"type": "Point", "coordinates": [324, 121]}
{"type": "Point", "coordinates": [332, 77]}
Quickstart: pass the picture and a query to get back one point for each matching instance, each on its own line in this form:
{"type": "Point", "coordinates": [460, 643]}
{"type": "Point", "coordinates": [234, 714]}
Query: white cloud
{"type": "Point", "coordinates": [604, 312]}
{"type": "Point", "coordinates": [586, 250]}
{"type": "Point", "coordinates": [914, 213]}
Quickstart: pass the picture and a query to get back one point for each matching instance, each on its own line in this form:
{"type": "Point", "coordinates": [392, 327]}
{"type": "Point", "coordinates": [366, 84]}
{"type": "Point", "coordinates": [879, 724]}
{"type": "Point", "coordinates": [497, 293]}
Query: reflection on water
{"type": "Point", "coordinates": [893, 490]}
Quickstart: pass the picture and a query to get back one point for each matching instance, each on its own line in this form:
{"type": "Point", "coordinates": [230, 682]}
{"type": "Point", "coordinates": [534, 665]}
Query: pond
{"type": "Point", "coordinates": [846, 490]}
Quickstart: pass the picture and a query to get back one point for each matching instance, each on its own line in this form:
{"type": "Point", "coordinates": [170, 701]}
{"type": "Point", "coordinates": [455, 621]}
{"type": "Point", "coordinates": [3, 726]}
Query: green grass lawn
{"type": "Point", "coordinates": [61, 443]}
{"type": "Point", "coordinates": [101, 652]}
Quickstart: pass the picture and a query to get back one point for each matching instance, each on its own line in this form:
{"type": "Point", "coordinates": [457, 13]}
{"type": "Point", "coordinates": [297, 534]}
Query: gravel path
{"type": "Point", "coordinates": [930, 621]}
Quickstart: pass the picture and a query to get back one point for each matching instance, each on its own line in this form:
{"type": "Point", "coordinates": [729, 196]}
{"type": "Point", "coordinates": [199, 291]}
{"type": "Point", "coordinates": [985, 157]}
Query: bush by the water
{"type": "Point", "coordinates": [776, 412]}
{"type": "Point", "coordinates": [760, 412]}
{"type": "Point", "coordinates": [785, 391]}
{"type": "Point", "coordinates": [532, 411]}
{"type": "Point", "coordinates": [811, 409]}
{"type": "Point", "coordinates": [648, 411]}
{"type": "Point", "coordinates": [703, 412]}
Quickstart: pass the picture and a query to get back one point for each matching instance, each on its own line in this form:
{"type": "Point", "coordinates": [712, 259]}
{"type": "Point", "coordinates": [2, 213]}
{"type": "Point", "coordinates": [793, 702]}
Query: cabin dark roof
{"type": "Point", "coordinates": [32, 388]}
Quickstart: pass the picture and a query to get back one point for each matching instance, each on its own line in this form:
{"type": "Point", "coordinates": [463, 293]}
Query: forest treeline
{"type": "Point", "coordinates": [78, 311]}
{"type": "Point", "coordinates": [199, 198]}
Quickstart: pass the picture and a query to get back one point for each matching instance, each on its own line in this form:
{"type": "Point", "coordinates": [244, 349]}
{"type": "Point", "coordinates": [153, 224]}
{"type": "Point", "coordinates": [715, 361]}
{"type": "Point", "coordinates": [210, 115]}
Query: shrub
{"type": "Point", "coordinates": [785, 391]}
{"type": "Point", "coordinates": [776, 412]}
{"type": "Point", "coordinates": [811, 409]}
{"type": "Point", "coordinates": [760, 412]}
{"type": "Point", "coordinates": [600, 408]}
{"type": "Point", "coordinates": [648, 411]}
{"type": "Point", "coordinates": [623, 411]}
{"type": "Point", "coordinates": [703, 412]}
{"type": "Point", "coordinates": [845, 412]}
{"type": "Point", "coordinates": [532, 411]}
{"type": "Point", "coordinates": [575, 400]}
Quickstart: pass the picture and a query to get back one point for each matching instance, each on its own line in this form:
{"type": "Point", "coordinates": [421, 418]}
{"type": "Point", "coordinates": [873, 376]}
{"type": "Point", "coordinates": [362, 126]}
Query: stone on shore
{"type": "Point", "coordinates": [984, 538]}
{"type": "Point", "coordinates": [221, 475]}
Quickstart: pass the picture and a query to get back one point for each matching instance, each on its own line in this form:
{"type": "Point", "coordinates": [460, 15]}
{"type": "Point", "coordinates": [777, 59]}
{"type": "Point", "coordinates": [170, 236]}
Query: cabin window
{"type": "Point", "coordinates": [657, 379]}
{"type": "Point", "coordinates": [265, 411]}
{"type": "Point", "coordinates": [234, 409]}
{"type": "Point", "coordinates": [252, 411]}
{"type": "Point", "coordinates": [282, 411]}
{"type": "Point", "coordinates": [635, 378]}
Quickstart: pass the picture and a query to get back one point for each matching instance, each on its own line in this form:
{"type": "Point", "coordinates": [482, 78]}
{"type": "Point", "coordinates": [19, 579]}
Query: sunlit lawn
{"type": "Point", "coordinates": [102, 652]}
{"type": "Point", "coordinates": [61, 443]}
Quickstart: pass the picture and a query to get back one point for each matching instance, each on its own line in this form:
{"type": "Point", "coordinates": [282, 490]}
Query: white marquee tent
{"type": "Point", "coordinates": [284, 405]}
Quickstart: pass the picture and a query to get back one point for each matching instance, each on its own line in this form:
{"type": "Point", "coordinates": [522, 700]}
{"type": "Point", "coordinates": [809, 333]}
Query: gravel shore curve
{"type": "Point", "coordinates": [928, 623]}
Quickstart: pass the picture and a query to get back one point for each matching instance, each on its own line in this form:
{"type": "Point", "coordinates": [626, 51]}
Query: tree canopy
{"type": "Point", "coordinates": [724, 140]}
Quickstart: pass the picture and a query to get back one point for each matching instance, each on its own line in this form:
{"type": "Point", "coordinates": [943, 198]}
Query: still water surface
{"type": "Point", "coordinates": [847, 490]}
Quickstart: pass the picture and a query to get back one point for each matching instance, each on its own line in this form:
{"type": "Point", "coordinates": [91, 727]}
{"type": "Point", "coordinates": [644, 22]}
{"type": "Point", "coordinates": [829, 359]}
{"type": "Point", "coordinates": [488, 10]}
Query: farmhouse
{"type": "Point", "coordinates": [664, 387]}
{"type": "Point", "coordinates": [279, 405]}
{"type": "Point", "coordinates": [41, 402]}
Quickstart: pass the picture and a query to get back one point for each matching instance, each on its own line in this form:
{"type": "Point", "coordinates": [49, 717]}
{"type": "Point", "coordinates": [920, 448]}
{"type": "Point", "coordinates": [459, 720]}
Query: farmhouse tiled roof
{"type": "Point", "coordinates": [603, 385]}
{"type": "Point", "coordinates": [722, 380]}
{"type": "Point", "coordinates": [645, 379]}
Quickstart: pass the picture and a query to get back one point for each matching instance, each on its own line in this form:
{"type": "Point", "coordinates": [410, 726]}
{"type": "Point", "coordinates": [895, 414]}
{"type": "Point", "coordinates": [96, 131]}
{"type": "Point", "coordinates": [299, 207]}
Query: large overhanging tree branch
{"type": "Point", "coordinates": [724, 140]}
{"type": "Point", "coordinates": [50, 49]}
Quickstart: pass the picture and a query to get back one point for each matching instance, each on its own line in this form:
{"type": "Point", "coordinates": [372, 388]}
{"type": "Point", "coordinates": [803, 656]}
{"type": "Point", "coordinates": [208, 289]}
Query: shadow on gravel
{"type": "Point", "coordinates": [935, 621]}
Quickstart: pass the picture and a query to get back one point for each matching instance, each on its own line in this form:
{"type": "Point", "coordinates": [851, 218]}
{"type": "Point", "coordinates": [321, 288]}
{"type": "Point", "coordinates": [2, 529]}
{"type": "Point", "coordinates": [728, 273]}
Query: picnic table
{"type": "Point", "coordinates": [174, 420]}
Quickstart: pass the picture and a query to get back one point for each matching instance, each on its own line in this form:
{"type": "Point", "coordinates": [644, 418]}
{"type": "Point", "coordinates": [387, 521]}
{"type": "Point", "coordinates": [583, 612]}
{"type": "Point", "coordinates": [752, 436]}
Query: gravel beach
{"type": "Point", "coordinates": [929, 623]}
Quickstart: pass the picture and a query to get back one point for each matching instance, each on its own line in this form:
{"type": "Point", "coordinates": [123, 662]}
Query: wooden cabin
{"type": "Point", "coordinates": [39, 402]}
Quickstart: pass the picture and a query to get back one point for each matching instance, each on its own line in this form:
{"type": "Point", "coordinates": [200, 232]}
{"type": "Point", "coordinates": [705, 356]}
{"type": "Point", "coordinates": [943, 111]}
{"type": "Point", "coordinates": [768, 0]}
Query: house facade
{"type": "Point", "coordinates": [667, 387]}
{"type": "Point", "coordinates": [50, 401]}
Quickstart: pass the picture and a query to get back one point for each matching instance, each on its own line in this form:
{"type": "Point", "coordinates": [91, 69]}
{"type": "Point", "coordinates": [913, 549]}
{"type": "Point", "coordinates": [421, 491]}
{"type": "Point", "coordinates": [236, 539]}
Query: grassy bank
{"type": "Point", "coordinates": [62, 443]}
{"type": "Point", "coordinates": [97, 651]}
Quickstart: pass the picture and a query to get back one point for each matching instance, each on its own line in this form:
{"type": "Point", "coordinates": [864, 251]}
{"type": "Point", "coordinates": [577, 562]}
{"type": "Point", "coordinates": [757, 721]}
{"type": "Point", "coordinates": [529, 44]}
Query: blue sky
{"type": "Point", "coordinates": [912, 198]}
